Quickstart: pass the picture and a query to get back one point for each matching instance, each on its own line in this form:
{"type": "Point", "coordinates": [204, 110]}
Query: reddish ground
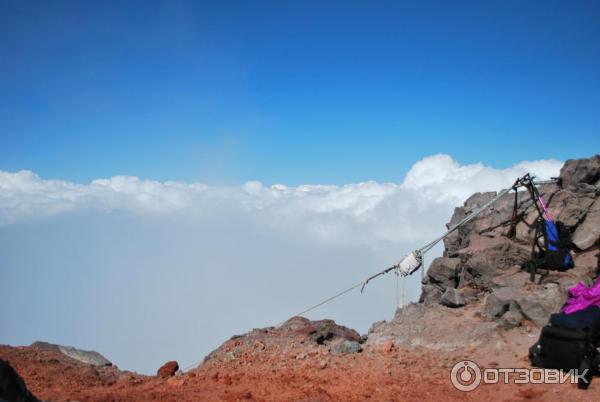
{"type": "Point", "coordinates": [262, 373]}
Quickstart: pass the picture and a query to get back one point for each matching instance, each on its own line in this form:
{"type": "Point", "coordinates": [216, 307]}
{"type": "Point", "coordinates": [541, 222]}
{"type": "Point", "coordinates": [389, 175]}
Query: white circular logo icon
{"type": "Point", "coordinates": [465, 375]}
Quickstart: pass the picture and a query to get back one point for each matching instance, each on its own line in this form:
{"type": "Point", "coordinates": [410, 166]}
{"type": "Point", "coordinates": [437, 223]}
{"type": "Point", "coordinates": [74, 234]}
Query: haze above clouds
{"type": "Point", "coordinates": [146, 271]}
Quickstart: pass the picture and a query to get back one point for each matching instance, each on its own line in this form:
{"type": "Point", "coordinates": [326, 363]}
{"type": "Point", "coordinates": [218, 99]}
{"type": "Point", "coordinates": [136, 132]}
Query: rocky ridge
{"type": "Point", "coordinates": [479, 287]}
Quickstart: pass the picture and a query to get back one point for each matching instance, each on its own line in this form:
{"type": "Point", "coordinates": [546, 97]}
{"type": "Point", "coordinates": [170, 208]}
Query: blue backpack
{"type": "Point", "coordinates": [551, 247]}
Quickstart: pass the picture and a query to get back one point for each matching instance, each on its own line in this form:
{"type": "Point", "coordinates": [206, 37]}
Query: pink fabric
{"type": "Point", "coordinates": [581, 297]}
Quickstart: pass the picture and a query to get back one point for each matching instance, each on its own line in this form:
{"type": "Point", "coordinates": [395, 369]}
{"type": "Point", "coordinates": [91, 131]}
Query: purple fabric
{"type": "Point", "coordinates": [580, 297]}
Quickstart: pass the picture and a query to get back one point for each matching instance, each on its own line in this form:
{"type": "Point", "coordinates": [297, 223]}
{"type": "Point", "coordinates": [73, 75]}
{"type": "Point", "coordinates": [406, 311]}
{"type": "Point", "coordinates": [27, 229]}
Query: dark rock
{"type": "Point", "coordinates": [430, 294]}
{"type": "Point", "coordinates": [442, 271]}
{"type": "Point", "coordinates": [12, 386]}
{"type": "Point", "coordinates": [321, 331]}
{"type": "Point", "coordinates": [513, 276]}
{"type": "Point", "coordinates": [494, 307]}
{"type": "Point", "coordinates": [498, 302]}
{"type": "Point", "coordinates": [297, 330]}
{"type": "Point", "coordinates": [168, 369]}
{"type": "Point", "coordinates": [344, 346]}
{"type": "Point", "coordinates": [513, 317]}
{"type": "Point", "coordinates": [569, 207]}
{"type": "Point", "coordinates": [493, 261]}
{"type": "Point", "coordinates": [576, 171]}
{"type": "Point", "coordinates": [537, 305]}
{"type": "Point", "coordinates": [586, 235]}
{"type": "Point", "coordinates": [453, 298]}
{"type": "Point", "coordinates": [85, 356]}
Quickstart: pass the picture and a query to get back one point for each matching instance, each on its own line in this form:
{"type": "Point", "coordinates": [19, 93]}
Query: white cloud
{"type": "Point", "coordinates": [366, 213]}
{"type": "Point", "coordinates": [121, 265]}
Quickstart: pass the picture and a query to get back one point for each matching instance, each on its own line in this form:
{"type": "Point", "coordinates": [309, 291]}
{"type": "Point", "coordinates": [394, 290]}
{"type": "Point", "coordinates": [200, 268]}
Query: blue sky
{"type": "Point", "coordinates": [293, 92]}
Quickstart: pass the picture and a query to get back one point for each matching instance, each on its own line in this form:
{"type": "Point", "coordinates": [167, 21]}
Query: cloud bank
{"type": "Point", "coordinates": [367, 212]}
{"type": "Point", "coordinates": [145, 271]}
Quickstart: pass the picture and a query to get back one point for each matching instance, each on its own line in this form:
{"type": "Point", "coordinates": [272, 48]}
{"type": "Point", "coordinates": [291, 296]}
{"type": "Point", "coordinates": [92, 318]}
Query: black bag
{"type": "Point", "coordinates": [566, 349]}
{"type": "Point", "coordinates": [588, 318]}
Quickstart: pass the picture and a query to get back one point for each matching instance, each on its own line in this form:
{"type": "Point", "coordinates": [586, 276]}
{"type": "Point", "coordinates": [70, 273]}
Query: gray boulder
{"type": "Point", "coordinates": [576, 171]}
{"type": "Point", "coordinates": [430, 294]}
{"type": "Point", "coordinates": [539, 304]}
{"type": "Point", "coordinates": [498, 302]}
{"type": "Point", "coordinates": [344, 346]}
{"type": "Point", "coordinates": [535, 303]}
{"type": "Point", "coordinates": [513, 317]}
{"type": "Point", "coordinates": [453, 298]}
{"type": "Point", "coordinates": [442, 271]}
{"type": "Point", "coordinates": [586, 235]}
{"type": "Point", "coordinates": [569, 207]}
{"type": "Point", "coordinates": [494, 260]}
{"type": "Point", "coordinates": [84, 356]}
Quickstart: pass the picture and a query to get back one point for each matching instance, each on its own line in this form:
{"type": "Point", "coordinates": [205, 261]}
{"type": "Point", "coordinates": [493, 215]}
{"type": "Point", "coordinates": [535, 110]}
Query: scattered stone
{"type": "Point", "coordinates": [168, 369]}
{"type": "Point", "coordinates": [344, 346]}
{"type": "Point", "coordinates": [512, 318]}
{"type": "Point", "coordinates": [430, 294]}
{"type": "Point", "coordinates": [498, 302]}
{"type": "Point", "coordinates": [453, 298]}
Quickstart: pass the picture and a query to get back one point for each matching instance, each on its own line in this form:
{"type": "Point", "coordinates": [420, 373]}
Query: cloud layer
{"type": "Point", "coordinates": [368, 212]}
{"type": "Point", "coordinates": [145, 272]}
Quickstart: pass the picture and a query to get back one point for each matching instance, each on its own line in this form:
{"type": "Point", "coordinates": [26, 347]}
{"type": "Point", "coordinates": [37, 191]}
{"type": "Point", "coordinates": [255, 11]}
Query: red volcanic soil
{"type": "Point", "coordinates": [263, 372]}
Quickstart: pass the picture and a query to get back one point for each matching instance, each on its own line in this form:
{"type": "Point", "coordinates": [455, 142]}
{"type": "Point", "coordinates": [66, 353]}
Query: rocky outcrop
{"type": "Point", "coordinates": [312, 335]}
{"type": "Point", "coordinates": [581, 171]}
{"type": "Point", "coordinates": [168, 369]}
{"type": "Point", "coordinates": [453, 298]}
{"type": "Point", "coordinates": [433, 327]}
{"type": "Point", "coordinates": [587, 234]}
{"type": "Point", "coordinates": [84, 356]}
{"type": "Point", "coordinates": [480, 280]}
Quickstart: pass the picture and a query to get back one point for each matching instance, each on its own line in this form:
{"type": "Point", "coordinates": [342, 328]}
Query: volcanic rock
{"type": "Point", "coordinates": [576, 171]}
{"type": "Point", "coordinates": [344, 346]}
{"type": "Point", "coordinates": [588, 232]}
{"type": "Point", "coordinates": [85, 356]}
{"type": "Point", "coordinates": [442, 271]}
{"type": "Point", "coordinates": [484, 268]}
{"type": "Point", "coordinates": [168, 369]}
{"type": "Point", "coordinates": [453, 298]}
